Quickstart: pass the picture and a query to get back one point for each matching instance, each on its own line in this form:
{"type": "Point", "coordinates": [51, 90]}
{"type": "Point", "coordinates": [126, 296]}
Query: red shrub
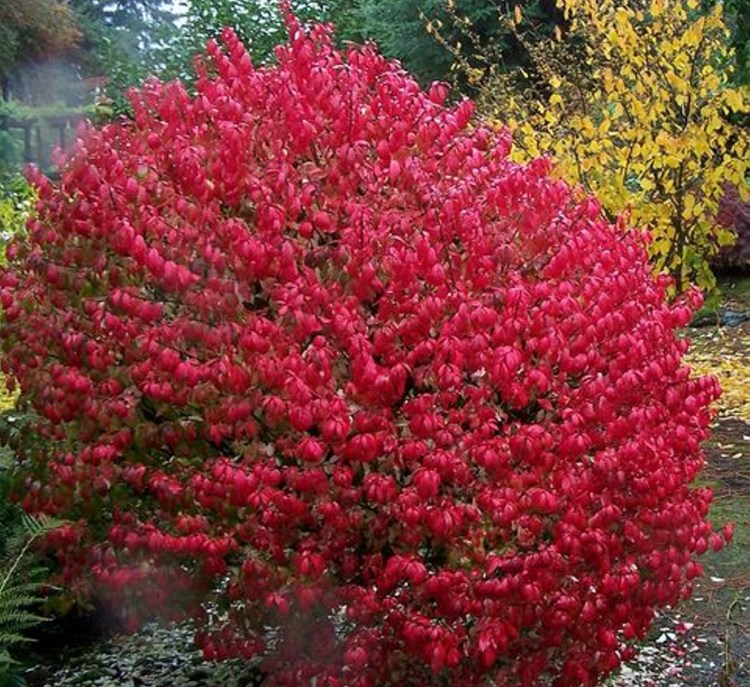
{"type": "Point", "coordinates": [310, 352]}
{"type": "Point", "coordinates": [735, 214]}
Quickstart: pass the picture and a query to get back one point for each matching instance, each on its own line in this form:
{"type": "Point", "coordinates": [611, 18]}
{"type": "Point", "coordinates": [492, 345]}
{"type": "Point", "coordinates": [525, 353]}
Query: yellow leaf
{"type": "Point", "coordinates": [733, 98]}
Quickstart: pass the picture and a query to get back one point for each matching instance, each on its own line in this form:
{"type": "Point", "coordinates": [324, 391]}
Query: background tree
{"type": "Point", "coordinates": [123, 40]}
{"type": "Point", "coordinates": [258, 23]}
{"type": "Point", "coordinates": [636, 103]}
{"type": "Point", "coordinates": [419, 35]}
{"type": "Point", "coordinates": [33, 30]}
{"type": "Point", "coordinates": [131, 23]}
{"type": "Point", "coordinates": [423, 35]}
{"type": "Point", "coordinates": [738, 15]}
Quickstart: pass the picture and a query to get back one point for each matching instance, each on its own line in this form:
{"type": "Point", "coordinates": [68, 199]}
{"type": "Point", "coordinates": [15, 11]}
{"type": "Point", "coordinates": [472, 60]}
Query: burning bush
{"type": "Point", "coordinates": [310, 353]}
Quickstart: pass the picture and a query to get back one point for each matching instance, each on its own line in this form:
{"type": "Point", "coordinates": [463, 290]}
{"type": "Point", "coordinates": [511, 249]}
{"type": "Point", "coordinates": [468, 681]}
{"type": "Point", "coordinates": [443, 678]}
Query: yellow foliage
{"type": "Point", "coordinates": [7, 398]}
{"type": "Point", "coordinates": [16, 203]}
{"type": "Point", "coordinates": [638, 110]}
{"type": "Point", "coordinates": [725, 355]}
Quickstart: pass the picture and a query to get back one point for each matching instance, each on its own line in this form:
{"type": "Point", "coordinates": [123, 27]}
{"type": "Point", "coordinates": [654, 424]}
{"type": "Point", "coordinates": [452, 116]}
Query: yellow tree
{"type": "Point", "coordinates": [636, 104]}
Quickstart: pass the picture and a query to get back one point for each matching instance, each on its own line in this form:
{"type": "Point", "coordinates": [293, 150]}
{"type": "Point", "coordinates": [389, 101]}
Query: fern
{"type": "Point", "coordinates": [21, 585]}
{"type": "Point", "coordinates": [22, 575]}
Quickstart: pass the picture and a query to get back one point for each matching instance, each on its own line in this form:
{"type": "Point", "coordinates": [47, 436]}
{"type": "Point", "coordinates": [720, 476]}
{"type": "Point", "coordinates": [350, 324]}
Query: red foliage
{"type": "Point", "coordinates": [735, 214]}
{"type": "Point", "coordinates": [310, 352]}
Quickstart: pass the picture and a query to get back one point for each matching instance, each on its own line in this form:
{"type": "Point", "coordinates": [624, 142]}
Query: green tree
{"type": "Point", "coordinates": [258, 23]}
{"type": "Point", "coordinates": [124, 40]}
{"type": "Point", "coordinates": [424, 36]}
{"type": "Point", "coordinates": [33, 30]}
{"type": "Point", "coordinates": [738, 17]}
{"type": "Point", "coordinates": [132, 25]}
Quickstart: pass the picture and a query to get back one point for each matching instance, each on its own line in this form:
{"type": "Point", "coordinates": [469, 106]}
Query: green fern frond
{"type": "Point", "coordinates": [21, 586]}
{"type": "Point", "coordinates": [19, 599]}
{"type": "Point", "coordinates": [16, 610]}
{"type": "Point", "coordinates": [8, 639]}
{"type": "Point", "coordinates": [20, 619]}
{"type": "Point", "coordinates": [9, 676]}
{"type": "Point", "coordinates": [27, 592]}
{"type": "Point", "coordinates": [12, 639]}
{"type": "Point", "coordinates": [38, 525]}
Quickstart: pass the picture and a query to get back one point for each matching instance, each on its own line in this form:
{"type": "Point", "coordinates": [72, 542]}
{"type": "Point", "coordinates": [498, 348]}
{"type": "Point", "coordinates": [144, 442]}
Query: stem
{"type": "Point", "coordinates": [17, 562]}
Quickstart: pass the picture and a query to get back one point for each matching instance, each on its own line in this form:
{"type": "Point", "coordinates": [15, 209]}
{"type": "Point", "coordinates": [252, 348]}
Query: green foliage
{"type": "Point", "coordinates": [399, 28]}
{"type": "Point", "coordinates": [417, 34]}
{"type": "Point", "coordinates": [738, 17]}
{"type": "Point", "coordinates": [22, 574]}
{"type": "Point", "coordinates": [123, 40]}
{"type": "Point", "coordinates": [33, 29]}
{"type": "Point", "coordinates": [16, 200]}
{"type": "Point", "coordinates": [130, 23]}
{"type": "Point", "coordinates": [10, 151]}
{"type": "Point", "coordinates": [133, 39]}
{"type": "Point", "coordinates": [257, 22]}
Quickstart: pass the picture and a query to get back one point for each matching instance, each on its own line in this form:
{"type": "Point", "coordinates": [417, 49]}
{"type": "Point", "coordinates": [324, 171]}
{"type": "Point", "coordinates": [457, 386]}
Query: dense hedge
{"type": "Point", "coordinates": [312, 354]}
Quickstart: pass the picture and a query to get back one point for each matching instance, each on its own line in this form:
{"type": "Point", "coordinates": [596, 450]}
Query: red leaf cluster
{"type": "Point", "coordinates": [311, 353]}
